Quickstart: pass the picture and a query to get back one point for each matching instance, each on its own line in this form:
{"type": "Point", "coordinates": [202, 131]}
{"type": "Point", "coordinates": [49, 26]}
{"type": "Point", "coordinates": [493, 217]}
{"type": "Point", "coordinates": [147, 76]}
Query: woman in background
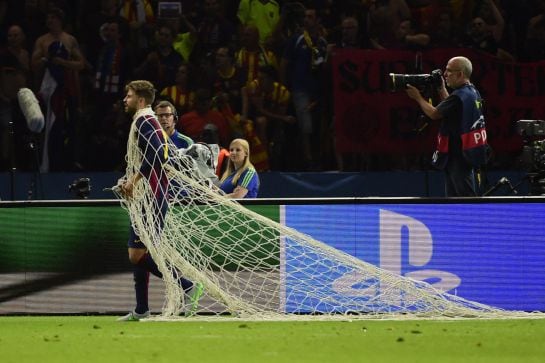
{"type": "Point", "coordinates": [240, 179]}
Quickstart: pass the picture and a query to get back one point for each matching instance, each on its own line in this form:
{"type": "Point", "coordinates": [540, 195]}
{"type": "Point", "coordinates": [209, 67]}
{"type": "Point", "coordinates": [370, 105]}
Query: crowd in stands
{"type": "Point", "coordinates": [253, 69]}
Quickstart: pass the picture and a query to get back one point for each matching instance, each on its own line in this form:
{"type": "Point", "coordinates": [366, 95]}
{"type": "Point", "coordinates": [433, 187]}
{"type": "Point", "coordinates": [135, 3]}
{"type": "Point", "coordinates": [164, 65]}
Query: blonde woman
{"type": "Point", "coordinates": [240, 180]}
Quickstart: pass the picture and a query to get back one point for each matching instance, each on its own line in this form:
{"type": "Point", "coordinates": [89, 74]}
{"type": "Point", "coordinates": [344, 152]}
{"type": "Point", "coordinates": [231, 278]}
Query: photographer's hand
{"type": "Point", "coordinates": [442, 90]}
{"type": "Point", "coordinates": [413, 93]}
{"type": "Point", "coordinates": [426, 107]}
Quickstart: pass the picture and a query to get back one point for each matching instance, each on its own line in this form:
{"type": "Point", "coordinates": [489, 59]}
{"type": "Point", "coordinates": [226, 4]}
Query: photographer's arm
{"type": "Point", "coordinates": [426, 107]}
{"type": "Point", "coordinates": [442, 92]}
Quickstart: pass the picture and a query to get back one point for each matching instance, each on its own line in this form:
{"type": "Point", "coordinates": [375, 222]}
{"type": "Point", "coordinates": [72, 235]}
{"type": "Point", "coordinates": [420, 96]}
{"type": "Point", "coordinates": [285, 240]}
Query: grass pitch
{"type": "Point", "coordinates": [103, 339]}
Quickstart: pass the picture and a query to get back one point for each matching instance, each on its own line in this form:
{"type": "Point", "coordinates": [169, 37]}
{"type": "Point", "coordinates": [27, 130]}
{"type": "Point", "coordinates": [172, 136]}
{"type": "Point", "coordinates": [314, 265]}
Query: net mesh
{"type": "Point", "coordinates": [254, 268]}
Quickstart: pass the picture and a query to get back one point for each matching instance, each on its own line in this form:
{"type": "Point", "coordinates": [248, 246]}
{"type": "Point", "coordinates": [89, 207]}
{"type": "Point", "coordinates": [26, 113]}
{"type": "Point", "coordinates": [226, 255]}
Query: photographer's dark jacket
{"type": "Point", "coordinates": [462, 131]}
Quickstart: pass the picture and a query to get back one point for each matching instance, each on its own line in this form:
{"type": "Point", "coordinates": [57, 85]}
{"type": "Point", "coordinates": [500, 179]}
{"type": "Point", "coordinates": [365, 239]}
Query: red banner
{"type": "Point", "coordinates": [371, 118]}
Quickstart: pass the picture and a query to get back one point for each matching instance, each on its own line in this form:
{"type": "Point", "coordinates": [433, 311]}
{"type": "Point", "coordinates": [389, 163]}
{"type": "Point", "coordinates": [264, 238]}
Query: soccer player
{"type": "Point", "coordinates": [147, 150]}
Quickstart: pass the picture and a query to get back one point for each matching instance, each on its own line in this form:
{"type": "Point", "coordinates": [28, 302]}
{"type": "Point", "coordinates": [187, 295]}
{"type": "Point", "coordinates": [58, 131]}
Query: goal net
{"type": "Point", "coordinates": [255, 268]}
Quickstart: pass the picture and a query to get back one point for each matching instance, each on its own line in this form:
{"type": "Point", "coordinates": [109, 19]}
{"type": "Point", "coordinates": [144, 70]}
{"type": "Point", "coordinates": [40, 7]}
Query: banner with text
{"type": "Point", "coordinates": [370, 117]}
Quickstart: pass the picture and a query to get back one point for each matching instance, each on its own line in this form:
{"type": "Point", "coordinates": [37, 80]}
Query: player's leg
{"type": "Point", "coordinates": [137, 250]}
{"type": "Point", "coordinates": [160, 207]}
{"type": "Point", "coordinates": [141, 283]}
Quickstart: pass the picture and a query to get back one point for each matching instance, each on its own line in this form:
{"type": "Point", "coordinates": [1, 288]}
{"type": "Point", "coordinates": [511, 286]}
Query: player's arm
{"type": "Point", "coordinates": [127, 187]}
{"type": "Point", "coordinates": [154, 145]}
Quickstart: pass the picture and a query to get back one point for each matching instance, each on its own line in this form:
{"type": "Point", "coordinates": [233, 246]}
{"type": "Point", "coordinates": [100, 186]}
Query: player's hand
{"type": "Point", "coordinates": [127, 189]}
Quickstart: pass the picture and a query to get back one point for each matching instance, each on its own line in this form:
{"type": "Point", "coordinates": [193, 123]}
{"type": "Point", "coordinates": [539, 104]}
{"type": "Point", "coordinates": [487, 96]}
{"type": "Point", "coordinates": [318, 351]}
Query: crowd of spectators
{"type": "Point", "coordinates": [254, 69]}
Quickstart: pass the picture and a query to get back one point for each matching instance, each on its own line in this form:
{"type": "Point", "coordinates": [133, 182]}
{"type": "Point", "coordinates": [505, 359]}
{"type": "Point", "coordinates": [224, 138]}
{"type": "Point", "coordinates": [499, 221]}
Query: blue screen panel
{"type": "Point", "coordinates": [492, 253]}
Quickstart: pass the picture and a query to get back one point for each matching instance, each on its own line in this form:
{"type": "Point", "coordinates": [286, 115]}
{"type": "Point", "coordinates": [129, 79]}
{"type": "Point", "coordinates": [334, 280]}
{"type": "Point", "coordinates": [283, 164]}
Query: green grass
{"type": "Point", "coordinates": [102, 339]}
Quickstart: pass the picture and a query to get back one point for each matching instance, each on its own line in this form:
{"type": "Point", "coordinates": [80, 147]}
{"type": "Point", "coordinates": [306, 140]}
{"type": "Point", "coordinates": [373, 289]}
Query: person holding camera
{"type": "Point", "coordinates": [461, 143]}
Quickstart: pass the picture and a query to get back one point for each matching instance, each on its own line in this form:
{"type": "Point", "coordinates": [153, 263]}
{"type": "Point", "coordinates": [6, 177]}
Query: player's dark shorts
{"type": "Point", "coordinates": [134, 240]}
{"type": "Point", "coordinates": [160, 212]}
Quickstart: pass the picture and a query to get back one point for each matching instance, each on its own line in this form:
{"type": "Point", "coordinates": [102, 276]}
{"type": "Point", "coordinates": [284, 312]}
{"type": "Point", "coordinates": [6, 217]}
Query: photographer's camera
{"type": "Point", "coordinates": [532, 157]}
{"type": "Point", "coordinates": [80, 187]}
{"type": "Point", "coordinates": [398, 82]}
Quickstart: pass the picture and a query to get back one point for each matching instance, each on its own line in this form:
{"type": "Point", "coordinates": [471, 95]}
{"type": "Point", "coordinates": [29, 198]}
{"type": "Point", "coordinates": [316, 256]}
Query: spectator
{"type": "Point", "coordinates": [111, 67]}
{"type": "Point", "coordinates": [302, 64]}
{"type": "Point", "coordinates": [252, 55]}
{"type": "Point", "coordinates": [16, 52]}
{"type": "Point", "coordinates": [479, 37]}
{"type": "Point", "coordinates": [14, 71]}
{"type": "Point", "coordinates": [534, 44]}
{"type": "Point", "coordinates": [32, 16]}
{"type": "Point", "coordinates": [263, 14]}
{"type": "Point", "coordinates": [350, 39]}
{"type": "Point", "coordinates": [268, 106]}
{"type": "Point", "coordinates": [94, 23]}
{"type": "Point", "coordinates": [485, 32]}
{"type": "Point", "coordinates": [141, 19]}
{"type": "Point", "coordinates": [106, 121]}
{"type": "Point", "coordinates": [228, 101]}
{"type": "Point", "coordinates": [161, 64]}
{"type": "Point", "coordinates": [213, 31]}
{"type": "Point", "coordinates": [493, 18]}
{"type": "Point", "coordinates": [180, 94]}
{"type": "Point", "coordinates": [192, 124]}
{"type": "Point", "coordinates": [228, 81]}
{"type": "Point", "coordinates": [445, 34]}
{"type": "Point", "coordinates": [107, 140]}
{"type": "Point", "coordinates": [290, 22]}
{"type": "Point", "coordinates": [406, 37]}
{"type": "Point", "coordinates": [240, 180]}
{"type": "Point", "coordinates": [517, 18]}
{"type": "Point", "coordinates": [352, 36]}
{"type": "Point", "coordinates": [385, 16]}
{"type": "Point", "coordinates": [57, 57]}
{"type": "Point", "coordinates": [185, 36]}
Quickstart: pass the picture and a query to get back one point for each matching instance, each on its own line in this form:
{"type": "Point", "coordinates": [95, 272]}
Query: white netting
{"type": "Point", "coordinates": [254, 268]}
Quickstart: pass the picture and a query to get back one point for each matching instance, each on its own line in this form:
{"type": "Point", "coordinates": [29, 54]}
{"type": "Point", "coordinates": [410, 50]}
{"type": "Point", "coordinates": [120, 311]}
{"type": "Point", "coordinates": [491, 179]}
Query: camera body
{"type": "Point", "coordinates": [398, 82]}
{"type": "Point", "coordinates": [81, 187]}
{"type": "Point", "coordinates": [531, 128]}
{"type": "Point", "coordinates": [533, 150]}
{"type": "Point", "coordinates": [532, 157]}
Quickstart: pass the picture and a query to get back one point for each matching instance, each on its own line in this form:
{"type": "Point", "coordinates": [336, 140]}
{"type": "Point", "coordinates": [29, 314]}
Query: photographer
{"type": "Point", "coordinates": [461, 143]}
